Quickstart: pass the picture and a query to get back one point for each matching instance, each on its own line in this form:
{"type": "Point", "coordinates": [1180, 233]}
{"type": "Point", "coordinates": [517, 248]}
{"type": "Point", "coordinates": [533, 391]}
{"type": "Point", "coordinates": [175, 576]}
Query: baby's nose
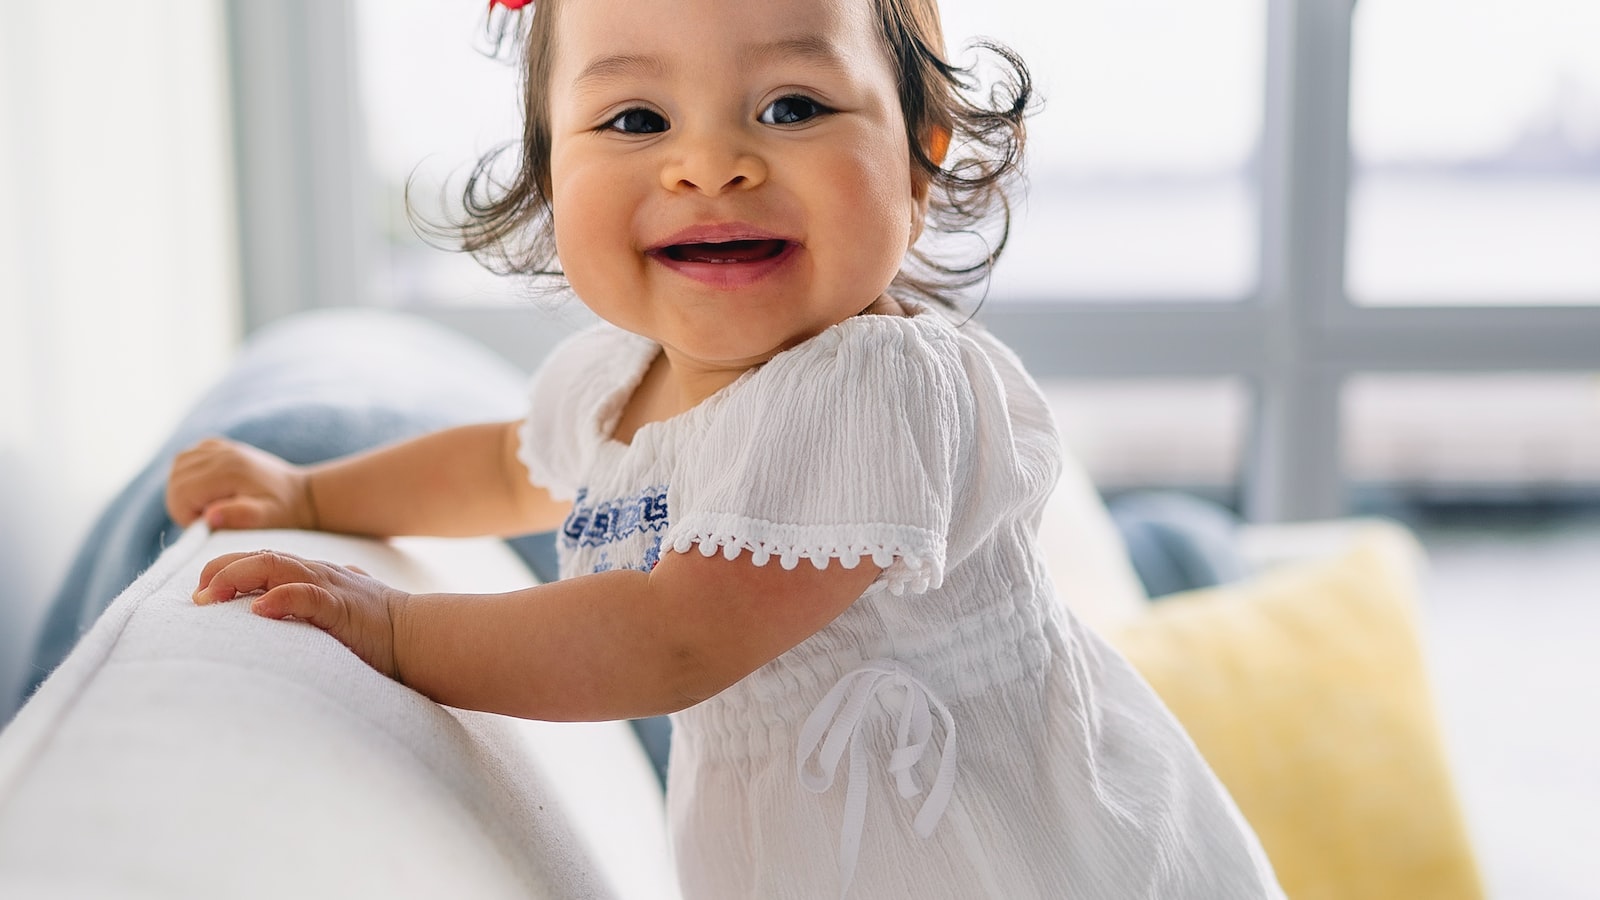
{"type": "Point", "coordinates": [712, 166]}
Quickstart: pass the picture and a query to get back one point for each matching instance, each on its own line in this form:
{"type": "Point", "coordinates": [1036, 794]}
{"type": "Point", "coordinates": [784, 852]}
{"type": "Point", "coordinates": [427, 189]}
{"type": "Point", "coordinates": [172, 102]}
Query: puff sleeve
{"type": "Point", "coordinates": [573, 401]}
{"type": "Point", "coordinates": [853, 446]}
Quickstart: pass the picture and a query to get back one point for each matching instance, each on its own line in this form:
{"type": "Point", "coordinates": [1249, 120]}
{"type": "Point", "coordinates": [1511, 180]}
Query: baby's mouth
{"type": "Point", "coordinates": [725, 252]}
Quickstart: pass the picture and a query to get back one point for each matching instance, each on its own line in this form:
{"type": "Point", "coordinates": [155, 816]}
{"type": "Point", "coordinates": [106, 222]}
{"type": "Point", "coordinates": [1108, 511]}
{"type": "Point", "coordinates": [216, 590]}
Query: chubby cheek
{"type": "Point", "coordinates": [873, 218]}
{"type": "Point", "coordinates": [593, 228]}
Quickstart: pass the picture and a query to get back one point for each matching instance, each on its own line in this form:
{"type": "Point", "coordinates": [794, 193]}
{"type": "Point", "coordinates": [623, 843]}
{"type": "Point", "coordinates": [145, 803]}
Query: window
{"type": "Point", "coordinates": [1522, 436]}
{"type": "Point", "coordinates": [1143, 158]}
{"type": "Point", "coordinates": [1475, 130]}
{"type": "Point", "coordinates": [433, 101]}
{"type": "Point", "coordinates": [1122, 430]}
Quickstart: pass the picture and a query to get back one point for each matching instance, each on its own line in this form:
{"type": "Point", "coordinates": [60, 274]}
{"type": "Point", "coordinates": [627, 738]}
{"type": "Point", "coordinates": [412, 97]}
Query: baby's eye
{"type": "Point", "coordinates": [791, 110]}
{"type": "Point", "coordinates": [638, 121]}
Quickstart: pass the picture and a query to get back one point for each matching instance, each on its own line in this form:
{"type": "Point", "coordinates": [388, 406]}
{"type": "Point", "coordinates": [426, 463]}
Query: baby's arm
{"type": "Point", "coordinates": [612, 645]}
{"type": "Point", "coordinates": [457, 482]}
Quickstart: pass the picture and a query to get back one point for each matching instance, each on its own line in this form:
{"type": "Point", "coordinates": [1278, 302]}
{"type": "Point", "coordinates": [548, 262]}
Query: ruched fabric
{"type": "Point", "coordinates": [989, 746]}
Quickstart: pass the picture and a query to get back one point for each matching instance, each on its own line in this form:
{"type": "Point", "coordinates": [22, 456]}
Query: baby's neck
{"type": "Point", "coordinates": [665, 391]}
{"type": "Point", "coordinates": [653, 400]}
{"type": "Point", "coordinates": [886, 306]}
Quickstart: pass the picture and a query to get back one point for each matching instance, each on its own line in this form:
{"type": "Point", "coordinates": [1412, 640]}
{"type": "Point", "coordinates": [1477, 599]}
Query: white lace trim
{"type": "Point", "coordinates": [912, 558]}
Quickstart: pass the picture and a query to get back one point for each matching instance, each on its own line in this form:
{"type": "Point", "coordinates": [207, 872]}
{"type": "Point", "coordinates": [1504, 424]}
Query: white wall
{"type": "Point", "coordinates": [118, 297]}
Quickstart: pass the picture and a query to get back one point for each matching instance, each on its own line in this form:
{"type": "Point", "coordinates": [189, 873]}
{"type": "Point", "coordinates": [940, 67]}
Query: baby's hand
{"type": "Point", "coordinates": [358, 610]}
{"type": "Point", "coordinates": [235, 485]}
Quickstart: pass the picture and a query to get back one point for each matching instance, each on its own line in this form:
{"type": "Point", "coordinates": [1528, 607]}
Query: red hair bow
{"type": "Point", "coordinates": [509, 4]}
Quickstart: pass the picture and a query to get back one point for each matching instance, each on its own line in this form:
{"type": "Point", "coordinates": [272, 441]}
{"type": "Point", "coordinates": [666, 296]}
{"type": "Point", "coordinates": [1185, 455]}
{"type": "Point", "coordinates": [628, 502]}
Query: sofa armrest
{"type": "Point", "coordinates": [204, 751]}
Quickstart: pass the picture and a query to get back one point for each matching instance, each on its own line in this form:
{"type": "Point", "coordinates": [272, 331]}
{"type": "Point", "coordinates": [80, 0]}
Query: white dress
{"type": "Point", "coordinates": [954, 733]}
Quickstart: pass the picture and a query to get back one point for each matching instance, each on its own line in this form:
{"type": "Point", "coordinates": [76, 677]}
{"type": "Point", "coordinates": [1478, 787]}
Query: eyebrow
{"type": "Point", "coordinates": [609, 68]}
{"type": "Point", "coordinates": [811, 48]}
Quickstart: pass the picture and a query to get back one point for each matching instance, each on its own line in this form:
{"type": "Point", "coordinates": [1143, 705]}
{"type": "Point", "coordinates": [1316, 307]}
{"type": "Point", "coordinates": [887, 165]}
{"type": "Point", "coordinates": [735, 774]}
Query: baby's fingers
{"type": "Point", "coordinates": [233, 574]}
{"type": "Point", "coordinates": [356, 609]}
{"type": "Point", "coordinates": [209, 573]}
{"type": "Point", "coordinates": [306, 602]}
{"type": "Point", "coordinates": [198, 477]}
{"type": "Point", "coordinates": [238, 514]}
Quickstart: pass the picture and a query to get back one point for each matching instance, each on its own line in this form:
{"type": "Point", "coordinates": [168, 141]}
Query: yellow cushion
{"type": "Point", "coordinates": [1306, 692]}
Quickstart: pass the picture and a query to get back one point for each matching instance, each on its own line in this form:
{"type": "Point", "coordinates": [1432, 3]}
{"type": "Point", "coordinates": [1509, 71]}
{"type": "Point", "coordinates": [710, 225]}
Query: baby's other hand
{"type": "Point", "coordinates": [235, 485]}
{"type": "Point", "coordinates": [357, 609]}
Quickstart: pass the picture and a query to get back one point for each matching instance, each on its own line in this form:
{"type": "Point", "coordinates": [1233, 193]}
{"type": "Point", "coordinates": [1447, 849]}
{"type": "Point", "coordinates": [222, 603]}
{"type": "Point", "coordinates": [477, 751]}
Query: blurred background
{"type": "Point", "coordinates": [1296, 258]}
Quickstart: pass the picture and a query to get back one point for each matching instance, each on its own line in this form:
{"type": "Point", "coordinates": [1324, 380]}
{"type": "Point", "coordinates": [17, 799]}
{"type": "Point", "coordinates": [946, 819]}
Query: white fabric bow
{"type": "Point", "coordinates": [837, 721]}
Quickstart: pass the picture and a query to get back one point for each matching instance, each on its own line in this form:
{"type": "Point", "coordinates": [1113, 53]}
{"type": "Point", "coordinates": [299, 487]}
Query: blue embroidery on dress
{"type": "Point", "coordinates": [606, 522]}
{"type": "Point", "coordinates": [652, 554]}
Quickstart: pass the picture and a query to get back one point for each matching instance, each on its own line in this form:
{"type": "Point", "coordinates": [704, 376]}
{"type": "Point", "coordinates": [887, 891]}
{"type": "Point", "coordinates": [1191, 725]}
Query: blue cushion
{"type": "Point", "coordinates": [312, 387]}
{"type": "Point", "coordinates": [1177, 542]}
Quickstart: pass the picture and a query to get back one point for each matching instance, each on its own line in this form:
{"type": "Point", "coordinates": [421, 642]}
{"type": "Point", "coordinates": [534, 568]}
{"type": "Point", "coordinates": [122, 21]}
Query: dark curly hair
{"type": "Point", "coordinates": [508, 225]}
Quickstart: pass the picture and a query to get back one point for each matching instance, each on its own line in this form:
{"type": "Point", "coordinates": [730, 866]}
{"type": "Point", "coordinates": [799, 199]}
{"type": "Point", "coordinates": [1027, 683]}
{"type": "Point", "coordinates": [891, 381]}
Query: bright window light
{"type": "Point", "coordinates": [1476, 136]}
{"type": "Point", "coordinates": [1143, 159]}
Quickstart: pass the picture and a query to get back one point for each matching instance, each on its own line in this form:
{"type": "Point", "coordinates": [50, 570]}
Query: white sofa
{"type": "Point", "coordinates": [186, 751]}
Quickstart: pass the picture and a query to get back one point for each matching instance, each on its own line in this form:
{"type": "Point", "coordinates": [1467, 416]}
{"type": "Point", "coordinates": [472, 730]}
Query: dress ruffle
{"type": "Point", "coordinates": [912, 559]}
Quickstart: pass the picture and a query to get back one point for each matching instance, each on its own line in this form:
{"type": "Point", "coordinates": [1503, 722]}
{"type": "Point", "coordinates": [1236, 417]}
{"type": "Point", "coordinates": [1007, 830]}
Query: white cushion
{"type": "Point", "coordinates": [1085, 555]}
{"type": "Point", "coordinates": [186, 751]}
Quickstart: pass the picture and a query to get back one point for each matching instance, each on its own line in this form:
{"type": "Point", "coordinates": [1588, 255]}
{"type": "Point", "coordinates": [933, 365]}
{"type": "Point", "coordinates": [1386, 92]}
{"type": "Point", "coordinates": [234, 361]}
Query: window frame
{"type": "Point", "coordinates": [307, 241]}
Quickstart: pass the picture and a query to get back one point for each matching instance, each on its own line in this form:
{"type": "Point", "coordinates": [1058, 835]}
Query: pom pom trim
{"type": "Point", "coordinates": [912, 558]}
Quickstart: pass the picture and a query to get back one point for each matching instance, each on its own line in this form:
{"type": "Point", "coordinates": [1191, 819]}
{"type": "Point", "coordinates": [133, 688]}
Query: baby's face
{"type": "Point", "coordinates": [728, 177]}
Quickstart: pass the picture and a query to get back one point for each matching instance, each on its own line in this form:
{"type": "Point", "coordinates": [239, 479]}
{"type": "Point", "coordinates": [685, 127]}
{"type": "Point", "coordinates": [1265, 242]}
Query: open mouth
{"type": "Point", "coordinates": [726, 252]}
